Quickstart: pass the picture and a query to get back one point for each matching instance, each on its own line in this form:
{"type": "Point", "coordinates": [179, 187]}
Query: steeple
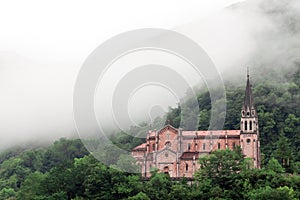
{"type": "Point", "coordinates": [249, 127]}
{"type": "Point", "coordinates": [248, 103]}
{"type": "Point", "coordinates": [248, 109]}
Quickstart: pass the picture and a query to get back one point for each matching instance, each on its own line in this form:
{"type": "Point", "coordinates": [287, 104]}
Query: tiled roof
{"type": "Point", "coordinates": [189, 155]}
{"type": "Point", "coordinates": [167, 127]}
{"type": "Point", "coordinates": [140, 147]}
{"type": "Point", "coordinates": [212, 132]}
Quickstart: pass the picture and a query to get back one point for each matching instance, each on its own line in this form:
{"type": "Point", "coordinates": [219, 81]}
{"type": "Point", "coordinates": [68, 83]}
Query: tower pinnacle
{"type": "Point", "coordinates": [247, 72]}
{"type": "Point", "coordinates": [248, 103]}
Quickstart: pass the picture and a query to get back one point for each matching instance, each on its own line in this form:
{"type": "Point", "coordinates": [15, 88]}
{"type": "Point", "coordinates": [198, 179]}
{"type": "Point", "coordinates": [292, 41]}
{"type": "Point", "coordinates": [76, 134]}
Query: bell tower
{"type": "Point", "coordinates": [249, 138]}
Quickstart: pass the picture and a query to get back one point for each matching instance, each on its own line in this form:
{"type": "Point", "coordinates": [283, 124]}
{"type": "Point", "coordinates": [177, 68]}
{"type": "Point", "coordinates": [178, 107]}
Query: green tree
{"type": "Point", "coordinates": [173, 117]}
{"type": "Point", "coordinates": [127, 163]}
{"type": "Point", "coordinates": [158, 187]}
{"type": "Point", "coordinates": [32, 159]}
{"type": "Point", "coordinates": [221, 171]}
{"type": "Point", "coordinates": [181, 190]}
{"type": "Point", "coordinates": [139, 196]}
{"type": "Point", "coordinates": [266, 193]}
{"type": "Point", "coordinates": [221, 167]}
{"type": "Point", "coordinates": [275, 166]}
{"type": "Point", "coordinates": [62, 151]}
{"type": "Point", "coordinates": [204, 117]}
{"type": "Point", "coordinates": [31, 187]}
{"type": "Point", "coordinates": [8, 193]}
{"type": "Point", "coordinates": [283, 152]}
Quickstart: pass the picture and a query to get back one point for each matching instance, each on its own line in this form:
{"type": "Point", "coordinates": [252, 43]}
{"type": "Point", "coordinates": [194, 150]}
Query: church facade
{"type": "Point", "coordinates": [176, 152]}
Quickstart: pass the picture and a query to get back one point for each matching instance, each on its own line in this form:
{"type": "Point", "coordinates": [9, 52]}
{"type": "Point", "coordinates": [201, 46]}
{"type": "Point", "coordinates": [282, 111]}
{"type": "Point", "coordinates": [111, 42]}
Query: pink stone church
{"type": "Point", "coordinates": [176, 152]}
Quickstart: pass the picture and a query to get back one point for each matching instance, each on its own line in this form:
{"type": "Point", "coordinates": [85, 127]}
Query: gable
{"type": "Point", "coordinates": [168, 128]}
{"type": "Point", "coordinates": [167, 138]}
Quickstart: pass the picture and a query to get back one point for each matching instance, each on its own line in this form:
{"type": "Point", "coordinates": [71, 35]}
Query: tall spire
{"type": "Point", "coordinates": [248, 99]}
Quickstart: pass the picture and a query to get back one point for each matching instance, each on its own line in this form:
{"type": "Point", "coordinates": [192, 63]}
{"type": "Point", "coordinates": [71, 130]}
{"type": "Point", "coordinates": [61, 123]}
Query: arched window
{"type": "Point", "coordinates": [246, 125]}
{"type": "Point", "coordinates": [186, 167]}
{"type": "Point", "coordinates": [203, 146]}
{"type": "Point", "coordinates": [189, 146]}
{"type": "Point", "coordinates": [166, 170]}
{"type": "Point", "coordinates": [250, 125]}
{"type": "Point", "coordinates": [219, 146]}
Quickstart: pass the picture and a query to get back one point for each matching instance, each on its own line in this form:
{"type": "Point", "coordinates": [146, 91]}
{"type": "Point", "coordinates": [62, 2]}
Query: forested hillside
{"type": "Point", "coordinates": [66, 170]}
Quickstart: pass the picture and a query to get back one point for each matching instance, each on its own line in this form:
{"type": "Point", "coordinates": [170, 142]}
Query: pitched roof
{"type": "Point", "coordinates": [140, 147]}
{"type": "Point", "coordinates": [190, 155]}
{"type": "Point", "coordinates": [211, 132]}
{"type": "Point", "coordinates": [167, 127]}
{"type": "Point", "coordinates": [248, 99]}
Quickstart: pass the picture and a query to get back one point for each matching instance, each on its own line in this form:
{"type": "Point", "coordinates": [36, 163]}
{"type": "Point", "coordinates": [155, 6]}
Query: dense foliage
{"type": "Point", "coordinates": [224, 174]}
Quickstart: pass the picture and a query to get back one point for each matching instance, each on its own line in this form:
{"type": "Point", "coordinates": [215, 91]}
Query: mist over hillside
{"type": "Point", "coordinates": [261, 34]}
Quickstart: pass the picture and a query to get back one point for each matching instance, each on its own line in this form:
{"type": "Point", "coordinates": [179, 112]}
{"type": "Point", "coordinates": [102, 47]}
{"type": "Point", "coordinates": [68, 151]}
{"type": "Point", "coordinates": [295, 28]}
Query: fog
{"type": "Point", "coordinates": [262, 35]}
{"type": "Point", "coordinates": [36, 91]}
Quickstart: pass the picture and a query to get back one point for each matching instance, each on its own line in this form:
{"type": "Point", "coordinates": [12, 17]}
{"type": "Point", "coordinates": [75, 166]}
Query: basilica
{"type": "Point", "coordinates": [175, 151]}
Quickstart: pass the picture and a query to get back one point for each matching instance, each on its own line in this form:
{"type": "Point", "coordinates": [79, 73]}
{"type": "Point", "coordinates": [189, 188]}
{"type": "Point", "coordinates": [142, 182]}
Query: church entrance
{"type": "Point", "coordinates": [166, 170]}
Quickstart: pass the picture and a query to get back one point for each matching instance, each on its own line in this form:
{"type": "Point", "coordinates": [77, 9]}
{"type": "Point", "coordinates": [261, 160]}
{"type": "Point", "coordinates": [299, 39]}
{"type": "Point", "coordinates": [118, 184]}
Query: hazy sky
{"type": "Point", "coordinates": [43, 45]}
{"type": "Point", "coordinates": [67, 31]}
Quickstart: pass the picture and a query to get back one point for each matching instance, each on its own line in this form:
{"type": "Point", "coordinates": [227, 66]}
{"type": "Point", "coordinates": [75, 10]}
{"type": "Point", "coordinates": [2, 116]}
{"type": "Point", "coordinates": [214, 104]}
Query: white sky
{"type": "Point", "coordinates": [44, 43]}
{"type": "Point", "coordinates": [67, 31]}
